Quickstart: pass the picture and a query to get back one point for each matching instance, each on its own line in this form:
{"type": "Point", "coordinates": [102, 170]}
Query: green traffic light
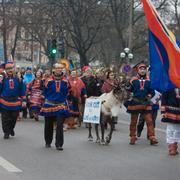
{"type": "Point", "coordinates": [54, 51]}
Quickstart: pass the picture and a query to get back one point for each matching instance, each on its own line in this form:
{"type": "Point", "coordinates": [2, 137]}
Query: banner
{"type": "Point", "coordinates": [92, 111]}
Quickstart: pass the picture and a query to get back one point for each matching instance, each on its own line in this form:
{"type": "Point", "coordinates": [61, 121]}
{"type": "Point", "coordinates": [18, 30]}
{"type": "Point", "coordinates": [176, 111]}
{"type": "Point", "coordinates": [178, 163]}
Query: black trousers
{"type": "Point", "coordinates": [48, 130]}
{"type": "Point", "coordinates": [141, 121]}
{"type": "Point", "coordinates": [8, 120]}
{"type": "Point", "coordinates": [25, 110]}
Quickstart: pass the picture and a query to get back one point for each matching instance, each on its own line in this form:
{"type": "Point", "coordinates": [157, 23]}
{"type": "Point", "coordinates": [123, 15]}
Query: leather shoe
{"type": "Point", "coordinates": [12, 133]}
{"type": "Point", "coordinates": [138, 134]}
{"type": "Point", "coordinates": [6, 136]}
{"type": "Point", "coordinates": [153, 141]}
{"type": "Point", "coordinates": [133, 140]}
{"type": "Point", "coordinates": [59, 148]}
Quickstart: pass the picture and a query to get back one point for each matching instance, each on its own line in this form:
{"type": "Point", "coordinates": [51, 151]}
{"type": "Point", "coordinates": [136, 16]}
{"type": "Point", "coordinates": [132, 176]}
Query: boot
{"type": "Point", "coordinates": [133, 140]}
{"type": "Point", "coordinates": [153, 140]}
{"type": "Point", "coordinates": [173, 149]}
{"type": "Point", "coordinates": [36, 118]}
{"type": "Point", "coordinates": [138, 133]}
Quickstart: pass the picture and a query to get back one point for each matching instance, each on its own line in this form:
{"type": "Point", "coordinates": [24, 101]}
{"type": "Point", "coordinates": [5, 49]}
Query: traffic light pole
{"type": "Point", "coordinates": [52, 60]}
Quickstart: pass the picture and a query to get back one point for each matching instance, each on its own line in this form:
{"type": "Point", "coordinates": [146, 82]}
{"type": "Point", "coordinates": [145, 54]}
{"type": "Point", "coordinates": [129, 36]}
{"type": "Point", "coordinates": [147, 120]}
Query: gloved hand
{"type": "Point", "coordinates": [1, 78]}
{"type": "Point", "coordinates": [163, 115]}
{"type": "Point", "coordinates": [23, 104]}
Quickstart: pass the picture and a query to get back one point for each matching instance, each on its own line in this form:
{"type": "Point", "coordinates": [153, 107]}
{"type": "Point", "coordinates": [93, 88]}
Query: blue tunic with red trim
{"type": "Point", "coordinates": [12, 93]}
{"type": "Point", "coordinates": [142, 94]}
{"type": "Point", "coordinates": [55, 93]}
{"type": "Point", "coordinates": [170, 106]}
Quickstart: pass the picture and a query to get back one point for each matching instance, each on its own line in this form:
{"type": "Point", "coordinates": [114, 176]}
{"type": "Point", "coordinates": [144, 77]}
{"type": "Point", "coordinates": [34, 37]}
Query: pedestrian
{"type": "Point", "coordinates": [140, 103]}
{"type": "Point", "coordinates": [92, 86]}
{"type": "Point", "coordinates": [34, 93]}
{"type": "Point", "coordinates": [109, 83]}
{"type": "Point", "coordinates": [27, 78]}
{"type": "Point", "coordinates": [170, 109]}
{"type": "Point", "coordinates": [78, 94]}
{"type": "Point", "coordinates": [91, 82]}
{"type": "Point", "coordinates": [12, 92]}
{"type": "Point", "coordinates": [55, 107]}
{"type": "Point", "coordinates": [155, 107]}
{"type": "Point", "coordinates": [71, 120]}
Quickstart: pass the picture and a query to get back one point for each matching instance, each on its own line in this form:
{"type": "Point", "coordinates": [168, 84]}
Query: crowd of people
{"type": "Point", "coordinates": [59, 95]}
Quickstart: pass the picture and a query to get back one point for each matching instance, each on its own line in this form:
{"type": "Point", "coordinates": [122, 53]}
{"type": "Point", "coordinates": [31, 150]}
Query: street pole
{"type": "Point", "coordinates": [32, 48]}
{"type": "Point", "coordinates": [131, 24]}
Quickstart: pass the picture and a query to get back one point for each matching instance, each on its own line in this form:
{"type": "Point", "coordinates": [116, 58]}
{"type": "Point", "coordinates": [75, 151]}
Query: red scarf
{"type": "Point", "coordinates": [108, 86]}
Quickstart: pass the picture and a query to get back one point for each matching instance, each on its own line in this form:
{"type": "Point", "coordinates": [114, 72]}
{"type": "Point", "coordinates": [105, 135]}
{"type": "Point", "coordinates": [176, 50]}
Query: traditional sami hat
{"type": "Point", "coordinates": [9, 65]}
{"type": "Point", "coordinates": [57, 65]}
{"type": "Point", "coordinates": [86, 68]}
{"type": "Point", "coordinates": [139, 65]}
{"type": "Point", "coordinates": [2, 66]}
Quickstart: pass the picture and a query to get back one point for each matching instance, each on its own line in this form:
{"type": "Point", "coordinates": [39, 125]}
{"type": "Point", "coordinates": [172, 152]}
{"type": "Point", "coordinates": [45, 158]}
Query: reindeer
{"type": "Point", "coordinates": [111, 104]}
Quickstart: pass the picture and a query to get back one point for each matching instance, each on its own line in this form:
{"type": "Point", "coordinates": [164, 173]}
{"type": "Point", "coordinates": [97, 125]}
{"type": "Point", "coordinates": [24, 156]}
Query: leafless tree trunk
{"type": "Point", "coordinates": [4, 30]}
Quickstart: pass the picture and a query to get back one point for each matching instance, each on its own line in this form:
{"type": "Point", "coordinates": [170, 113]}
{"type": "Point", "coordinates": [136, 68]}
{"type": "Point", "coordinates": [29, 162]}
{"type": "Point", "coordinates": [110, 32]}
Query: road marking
{"type": "Point", "coordinates": [8, 166]}
{"type": "Point", "coordinates": [127, 123]}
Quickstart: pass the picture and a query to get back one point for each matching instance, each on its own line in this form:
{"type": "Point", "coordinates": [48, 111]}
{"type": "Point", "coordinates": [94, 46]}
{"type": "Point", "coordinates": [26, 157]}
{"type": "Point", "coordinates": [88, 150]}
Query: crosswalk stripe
{"type": "Point", "coordinates": [8, 166]}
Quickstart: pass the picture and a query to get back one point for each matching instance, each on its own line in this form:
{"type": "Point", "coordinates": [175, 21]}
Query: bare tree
{"type": "Point", "coordinates": [82, 21]}
{"type": "Point", "coordinates": [175, 16]}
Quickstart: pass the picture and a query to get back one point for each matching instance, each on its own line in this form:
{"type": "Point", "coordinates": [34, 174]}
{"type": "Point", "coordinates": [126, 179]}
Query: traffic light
{"type": "Point", "coordinates": [53, 47]}
{"type": "Point", "coordinates": [61, 47]}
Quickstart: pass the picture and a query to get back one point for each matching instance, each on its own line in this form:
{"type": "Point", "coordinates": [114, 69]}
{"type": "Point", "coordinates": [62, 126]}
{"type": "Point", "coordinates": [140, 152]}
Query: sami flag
{"type": "Point", "coordinates": [164, 52]}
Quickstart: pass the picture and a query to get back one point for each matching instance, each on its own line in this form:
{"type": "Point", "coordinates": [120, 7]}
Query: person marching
{"type": "Point", "coordinates": [93, 88]}
{"type": "Point", "coordinates": [35, 95]}
{"type": "Point", "coordinates": [170, 109]}
{"type": "Point", "coordinates": [55, 108]}
{"type": "Point", "coordinates": [78, 92]}
{"type": "Point", "coordinates": [12, 97]}
{"type": "Point", "coordinates": [140, 103]}
{"type": "Point", "coordinates": [109, 83]}
{"type": "Point", "coordinates": [155, 107]}
{"type": "Point", "coordinates": [27, 78]}
{"type": "Point", "coordinates": [107, 87]}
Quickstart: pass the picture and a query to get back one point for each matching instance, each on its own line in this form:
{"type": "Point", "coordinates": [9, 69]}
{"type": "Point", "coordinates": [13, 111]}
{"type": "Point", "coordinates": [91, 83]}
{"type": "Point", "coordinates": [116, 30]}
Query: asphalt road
{"type": "Point", "coordinates": [24, 156]}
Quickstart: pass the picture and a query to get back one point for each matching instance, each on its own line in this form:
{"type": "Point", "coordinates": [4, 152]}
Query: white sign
{"type": "Point", "coordinates": [92, 111]}
{"type": "Point", "coordinates": [156, 97]}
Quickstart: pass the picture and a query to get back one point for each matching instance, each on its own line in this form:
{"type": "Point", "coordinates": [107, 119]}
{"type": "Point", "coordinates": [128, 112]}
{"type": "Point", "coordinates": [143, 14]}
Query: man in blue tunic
{"type": "Point", "coordinates": [12, 97]}
{"type": "Point", "coordinates": [55, 108]}
{"type": "Point", "coordinates": [141, 104]}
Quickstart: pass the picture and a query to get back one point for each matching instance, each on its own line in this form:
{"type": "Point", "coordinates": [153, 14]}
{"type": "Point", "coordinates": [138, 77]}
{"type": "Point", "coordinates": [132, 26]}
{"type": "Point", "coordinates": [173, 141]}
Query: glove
{"type": "Point", "coordinates": [23, 104]}
{"type": "Point", "coordinates": [163, 115]}
{"type": "Point", "coordinates": [1, 78]}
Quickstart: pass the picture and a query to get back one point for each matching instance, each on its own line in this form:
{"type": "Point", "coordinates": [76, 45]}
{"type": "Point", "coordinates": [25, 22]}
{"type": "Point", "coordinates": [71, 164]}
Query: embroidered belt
{"type": "Point", "coordinates": [54, 103]}
{"type": "Point", "coordinates": [143, 100]}
{"type": "Point", "coordinates": [10, 98]}
{"type": "Point", "coordinates": [173, 108]}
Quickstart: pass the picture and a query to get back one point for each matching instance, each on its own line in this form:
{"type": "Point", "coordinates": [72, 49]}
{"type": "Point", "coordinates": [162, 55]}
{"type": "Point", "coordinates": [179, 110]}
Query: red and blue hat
{"type": "Point", "coordinates": [9, 65]}
{"type": "Point", "coordinates": [140, 65]}
{"type": "Point", "coordinates": [86, 68]}
{"type": "Point", "coordinates": [2, 66]}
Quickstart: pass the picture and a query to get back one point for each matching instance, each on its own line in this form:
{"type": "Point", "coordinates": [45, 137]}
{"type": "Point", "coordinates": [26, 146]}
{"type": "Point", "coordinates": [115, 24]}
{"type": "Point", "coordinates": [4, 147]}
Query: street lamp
{"type": "Point", "coordinates": [99, 2]}
{"type": "Point", "coordinates": [126, 55]}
